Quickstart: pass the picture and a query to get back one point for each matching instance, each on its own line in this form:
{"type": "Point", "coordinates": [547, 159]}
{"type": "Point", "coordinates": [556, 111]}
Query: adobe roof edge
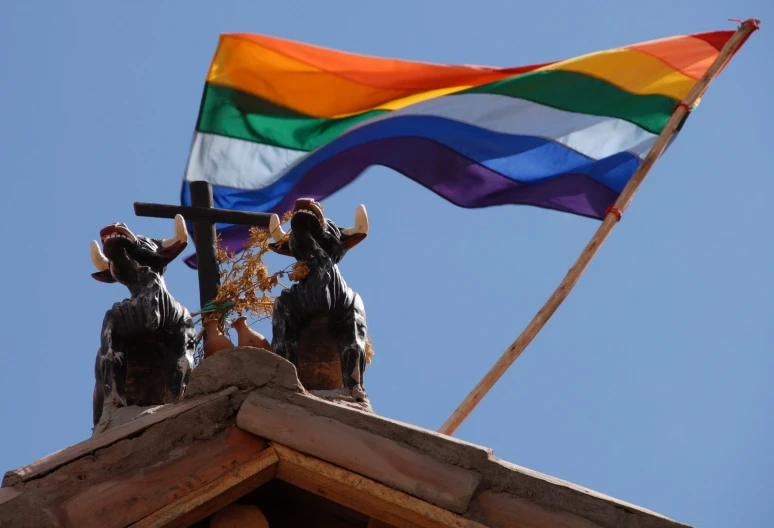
{"type": "Point", "coordinates": [269, 402]}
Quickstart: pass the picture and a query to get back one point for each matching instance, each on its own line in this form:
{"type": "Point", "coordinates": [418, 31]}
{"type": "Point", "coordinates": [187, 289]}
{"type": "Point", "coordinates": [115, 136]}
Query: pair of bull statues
{"type": "Point", "coordinates": [148, 340]}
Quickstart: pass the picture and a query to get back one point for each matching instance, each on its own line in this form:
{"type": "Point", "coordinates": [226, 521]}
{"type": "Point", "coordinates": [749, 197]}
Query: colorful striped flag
{"type": "Point", "coordinates": [281, 120]}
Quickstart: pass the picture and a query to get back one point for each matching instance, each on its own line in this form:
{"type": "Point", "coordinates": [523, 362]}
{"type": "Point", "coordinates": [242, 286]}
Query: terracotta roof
{"type": "Point", "coordinates": [246, 421]}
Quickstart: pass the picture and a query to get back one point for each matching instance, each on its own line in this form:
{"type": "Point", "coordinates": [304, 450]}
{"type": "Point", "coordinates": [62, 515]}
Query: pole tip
{"type": "Point", "coordinates": [755, 23]}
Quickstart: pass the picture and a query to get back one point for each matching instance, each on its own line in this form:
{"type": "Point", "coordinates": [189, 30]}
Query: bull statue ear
{"type": "Point", "coordinates": [352, 236]}
{"type": "Point", "coordinates": [281, 242]}
{"type": "Point", "coordinates": [104, 276]}
{"type": "Point", "coordinates": [171, 247]}
{"type": "Point", "coordinates": [283, 248]}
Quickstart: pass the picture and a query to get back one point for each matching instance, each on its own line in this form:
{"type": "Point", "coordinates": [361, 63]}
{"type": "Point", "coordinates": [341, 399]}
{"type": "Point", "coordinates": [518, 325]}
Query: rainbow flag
{"type": "Point", "coordinates": [281, 120]}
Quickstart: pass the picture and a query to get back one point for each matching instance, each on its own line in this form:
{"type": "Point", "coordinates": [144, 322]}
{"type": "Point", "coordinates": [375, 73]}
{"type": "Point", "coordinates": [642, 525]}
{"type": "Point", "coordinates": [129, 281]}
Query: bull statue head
{"type": "Point", "coordinates": [126, 254]}
{"type": "Point", "coordinates": [308, 223]}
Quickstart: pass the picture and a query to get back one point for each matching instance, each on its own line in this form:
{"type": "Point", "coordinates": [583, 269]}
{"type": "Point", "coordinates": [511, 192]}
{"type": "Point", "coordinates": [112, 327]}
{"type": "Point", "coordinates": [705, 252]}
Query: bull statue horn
{"type": "Point", "coordinates": [181, 233]}
{"type": "Point", "coordinates": [98, 258]}
{"type": "Point", "coordinates": [361, 223]}
{"type": "Point", "coordinates": [275, 229]}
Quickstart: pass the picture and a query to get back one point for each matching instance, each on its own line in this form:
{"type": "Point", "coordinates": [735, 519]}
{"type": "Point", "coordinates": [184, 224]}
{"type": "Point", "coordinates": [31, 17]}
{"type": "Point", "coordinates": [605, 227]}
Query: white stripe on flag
{"type": "Point", "coordinates": [237, 163]}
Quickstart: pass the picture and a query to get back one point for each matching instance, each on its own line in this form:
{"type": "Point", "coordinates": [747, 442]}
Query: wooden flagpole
{"type": "Point", "coordinates": [611, 218]}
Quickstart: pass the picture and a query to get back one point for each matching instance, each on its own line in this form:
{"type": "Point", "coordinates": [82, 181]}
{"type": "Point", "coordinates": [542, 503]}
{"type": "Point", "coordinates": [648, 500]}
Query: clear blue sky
{"type": "Point", "coordinates": [652, 383]}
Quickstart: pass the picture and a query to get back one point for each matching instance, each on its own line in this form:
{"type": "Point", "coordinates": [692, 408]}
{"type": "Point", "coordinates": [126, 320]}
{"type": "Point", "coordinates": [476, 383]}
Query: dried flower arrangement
{"type": "Point", "coordinates": [245, 284]}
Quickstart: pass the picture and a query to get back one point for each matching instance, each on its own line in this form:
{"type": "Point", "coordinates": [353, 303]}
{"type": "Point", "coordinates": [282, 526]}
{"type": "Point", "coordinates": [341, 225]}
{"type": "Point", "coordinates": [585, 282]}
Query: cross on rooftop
{"type": "Point", "coordinates": [204, 217]}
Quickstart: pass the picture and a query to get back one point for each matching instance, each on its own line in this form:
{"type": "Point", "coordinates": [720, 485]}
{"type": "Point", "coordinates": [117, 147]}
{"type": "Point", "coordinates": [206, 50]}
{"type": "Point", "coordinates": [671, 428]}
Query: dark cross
{"type": "Point", "coordinates": [204, 217]}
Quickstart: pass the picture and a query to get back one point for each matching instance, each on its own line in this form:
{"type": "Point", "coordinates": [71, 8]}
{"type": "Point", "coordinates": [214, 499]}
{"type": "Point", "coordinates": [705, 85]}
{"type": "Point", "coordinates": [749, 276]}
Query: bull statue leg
{"type": "Point", "coordinates": [110, 368]}
{"type": "Point", "coordinates": [103, 375]}
{"type": "Point", "coordinates": [351, 332]}
{"type": "Point", "coordinates": [178, 359]}
{"type": "Point", "coordinates": [286, 333]}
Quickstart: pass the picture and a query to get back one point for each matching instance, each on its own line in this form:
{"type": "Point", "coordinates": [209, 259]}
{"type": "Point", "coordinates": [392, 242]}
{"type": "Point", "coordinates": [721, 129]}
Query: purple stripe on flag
{"type": "Point", "coordinates": [445, 172]}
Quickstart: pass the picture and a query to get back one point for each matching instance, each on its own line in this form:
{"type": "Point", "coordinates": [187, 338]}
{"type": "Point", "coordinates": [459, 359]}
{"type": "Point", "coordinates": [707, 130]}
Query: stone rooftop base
{"type": "Point", "coordinates": [245, 413]}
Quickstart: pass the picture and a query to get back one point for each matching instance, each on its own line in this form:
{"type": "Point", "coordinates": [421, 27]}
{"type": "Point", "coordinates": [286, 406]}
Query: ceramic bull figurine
{"type": "Point", "coordinates": [321, 244]}
{"type": "Point", "coordinates": [147, 340]}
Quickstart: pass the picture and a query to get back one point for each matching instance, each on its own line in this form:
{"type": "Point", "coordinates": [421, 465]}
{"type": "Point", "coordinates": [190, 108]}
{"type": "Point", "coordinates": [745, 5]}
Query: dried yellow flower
{"type": "Point", "coordinates": [369, 350]}
{"type": "Point", "coordinates": [299, 272]}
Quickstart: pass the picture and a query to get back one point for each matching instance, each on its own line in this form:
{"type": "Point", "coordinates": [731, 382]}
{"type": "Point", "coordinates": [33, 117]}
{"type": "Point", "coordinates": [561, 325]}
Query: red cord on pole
{"type": "Point", "coordinates": [617, 212]}
{"type": "Point", "coordinates": [684, 105]}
